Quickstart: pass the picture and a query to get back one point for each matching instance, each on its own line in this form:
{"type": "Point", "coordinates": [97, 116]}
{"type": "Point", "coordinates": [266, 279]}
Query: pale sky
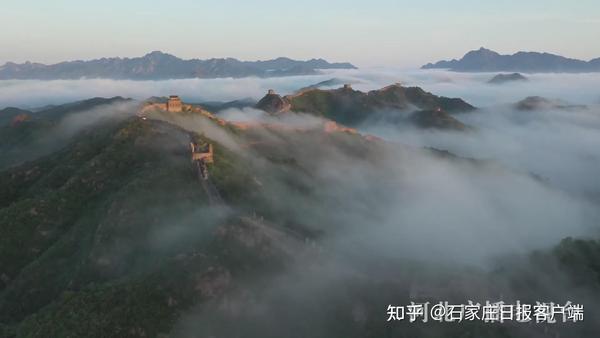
{"type": "Point", "coordinates": [367, 33]}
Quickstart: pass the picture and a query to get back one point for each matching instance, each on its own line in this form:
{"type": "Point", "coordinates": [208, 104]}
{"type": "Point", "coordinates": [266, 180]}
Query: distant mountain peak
{"type": "Point", "coordinates": [486, 60]}
{"type": "Point", "coordinates": [503, 78]}
{"type": "Point", "coordinates": [483, 51]}
{"type": "Point", "coordinates": [533, 103]}
{"type": "Point", "coordinates": [156, 52]}
{"type": "Point", "coordinates": [158, 55]}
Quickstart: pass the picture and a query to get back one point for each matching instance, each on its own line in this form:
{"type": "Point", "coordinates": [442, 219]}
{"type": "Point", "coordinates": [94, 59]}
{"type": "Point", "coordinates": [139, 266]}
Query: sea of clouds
{"type": "Point", "coordinates": [577, 88]}
{"type": "Point", "coordinates": [533, 183]}
{"type": "Point", "coordinates": [557, 147]}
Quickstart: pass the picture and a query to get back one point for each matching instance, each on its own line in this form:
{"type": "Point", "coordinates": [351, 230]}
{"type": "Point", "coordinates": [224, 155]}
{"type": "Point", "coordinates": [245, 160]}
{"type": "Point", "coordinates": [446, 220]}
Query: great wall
{"type": "Point", "coordinates": [202, 153]}
{"type": "Point", "coordinates": [175, 105]}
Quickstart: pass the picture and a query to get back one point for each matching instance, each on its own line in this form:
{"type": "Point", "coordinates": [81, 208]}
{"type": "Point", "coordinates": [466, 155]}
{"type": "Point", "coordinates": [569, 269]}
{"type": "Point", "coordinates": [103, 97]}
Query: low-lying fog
{"type": "Point", "coordinates": [554, 153]}
{"type": "Point", "coordinates": [578, 88]}
{"type": "Point", "coordinates": [540, 184]}
{"type": "Point", "coordinates": [560, 146]}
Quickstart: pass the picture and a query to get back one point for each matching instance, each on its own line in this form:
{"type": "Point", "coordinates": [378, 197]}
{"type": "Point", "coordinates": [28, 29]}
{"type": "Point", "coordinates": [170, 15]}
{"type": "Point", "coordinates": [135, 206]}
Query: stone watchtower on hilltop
{"type": "Point", "coordinates": [202, 154]}
{"type": "Point", "coordinates": [174, 104]}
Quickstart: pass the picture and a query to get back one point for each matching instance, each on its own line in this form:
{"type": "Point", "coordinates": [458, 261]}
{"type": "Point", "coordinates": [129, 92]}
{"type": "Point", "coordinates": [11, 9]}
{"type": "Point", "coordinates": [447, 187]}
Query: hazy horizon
{"type": "Point", "coordinates": [391, 33]}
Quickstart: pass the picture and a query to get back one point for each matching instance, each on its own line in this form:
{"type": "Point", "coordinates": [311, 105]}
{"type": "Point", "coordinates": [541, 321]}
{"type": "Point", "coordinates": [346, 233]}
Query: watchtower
{"type": "Point", "coordinates": [202, 155]}
{"type": "Point", "coordinates": [271, 92]}
{"type": "Point", "coordinates": [174, 104]}
{"type": "Point", "coordinates": [202, 152]}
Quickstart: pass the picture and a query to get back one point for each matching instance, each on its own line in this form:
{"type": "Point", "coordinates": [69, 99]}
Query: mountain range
{"type": "Point", "coordinates": [161, 66]}
{"type": "Point", "coordinates": [485, 60]}
{"type": "Point", "coordinates": [392, 104]}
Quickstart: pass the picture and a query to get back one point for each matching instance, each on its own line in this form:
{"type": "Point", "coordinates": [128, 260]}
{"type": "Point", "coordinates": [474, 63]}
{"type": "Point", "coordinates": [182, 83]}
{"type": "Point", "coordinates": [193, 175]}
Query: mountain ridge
{"type": "Point", "coordinates": [351, 107]}
{"type": "Point", "coordinates": [157, 65]}
{"type": "Point", "coordinates": [486, 60]}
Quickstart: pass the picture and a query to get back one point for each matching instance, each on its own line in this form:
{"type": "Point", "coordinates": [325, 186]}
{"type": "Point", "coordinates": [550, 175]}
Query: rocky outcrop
{"type": "Point", "coordinates": [504, 78]}
{"type": "Point", "coordinates": [273, 103]}
{"type": "Point", "coordinates": [532, 103]}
